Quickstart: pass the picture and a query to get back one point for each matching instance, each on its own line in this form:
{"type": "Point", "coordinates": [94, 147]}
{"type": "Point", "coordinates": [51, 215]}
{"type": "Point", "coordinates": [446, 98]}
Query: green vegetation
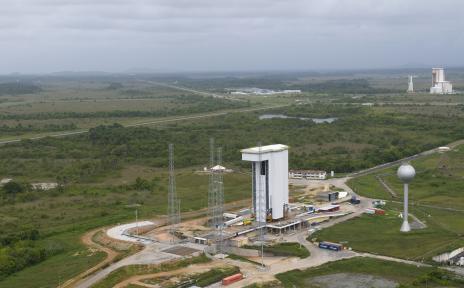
{"type": "Point", "coordinates": [77, 209]}
{"type": "Point", "coordinates": [214, 275]}
{"type": "Point", "coordinates": [284, 249]}
{"type": "Point", "coordinates": [190, 104]}
{"type": "Point", "coordinates": [241, 258]}
{"type": "Point", "coordinates": [404, 274]}
{"type": "Point", "coordinates": [102, 174]}
{"type": "Point", "coordinates": [127, 271]}
{"type": "Point", "coordinates": [71, 258]}
{"type": "Point", "coordinates": [15, 88]}
{"type": "Point", "coordinates": [380, 235]}
{"type": "Point", "coordinates": [436, 188]}
{"type": "Point", "coordinates": [18, 252]}
{"type": "Point", "coordinates": [270, 284]}
{"type": "Point", "coordinates": [438, 181]}
{"type": "Point", "coordinates": [97, 172]}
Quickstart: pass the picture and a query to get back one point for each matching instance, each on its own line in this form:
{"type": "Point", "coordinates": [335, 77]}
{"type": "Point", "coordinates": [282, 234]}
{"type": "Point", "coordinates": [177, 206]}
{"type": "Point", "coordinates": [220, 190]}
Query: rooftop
{"type": "Point", "coordinates": [265, 149]}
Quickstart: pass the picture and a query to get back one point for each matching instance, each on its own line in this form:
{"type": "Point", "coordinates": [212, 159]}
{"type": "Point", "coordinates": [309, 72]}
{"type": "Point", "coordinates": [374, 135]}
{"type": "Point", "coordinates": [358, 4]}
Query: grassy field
{"type": "Point", "coordinates": [91, 206]}
{"type": "Point", "coordinates": [438, 181]}
{"type": "Point", "coordinates": [99, 170]}
{"type": "Point", "coordinates": [380, 235]}
{"type": "Point", "coordinates": [289, 249]}
{"type": "Point", "coordinates": [74, 258]}
{"type": "Point", "coordinates": [127, 271]}
{"type": "Point", "coordinates": [404, 274]}
{"type": "Point", "coordinates": [67, 104]}
{"type": "Point", "coordinates": [241, 258]}
{"type": "Point", "coordinates": [437, 186]}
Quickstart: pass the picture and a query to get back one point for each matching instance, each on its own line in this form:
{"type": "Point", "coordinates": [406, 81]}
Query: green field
{"type": "Point", "coordinates": [102, 174]}
{"type": "Point", "coordinates": [62, 219]}
{"type": "Point", "coordinates": [73, 258]}
{"type": "Point", "coordinates": [380, 235]}
{"type": "Point", "coordinates": [438, 181]}
{"type": "Point", "coordinates": [404, 274]}
{"type": "Point", "coordinates": [289, 249]}
{"type": "Point", "coordinates": [437, 186]}
{"type": "Point", "coordinates": [127, 271]}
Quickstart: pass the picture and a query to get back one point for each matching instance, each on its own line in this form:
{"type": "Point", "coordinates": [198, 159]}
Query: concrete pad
{"type": "Point", "coordinates": [119, 231]}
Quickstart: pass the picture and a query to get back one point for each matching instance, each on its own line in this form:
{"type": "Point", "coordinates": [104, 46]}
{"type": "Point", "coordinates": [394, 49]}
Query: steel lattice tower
{"type": "Point", "coordinates": [219, 199]}
{"type": "Point", "coordinates": [211, 186]}
{"type": "Point", "coordinates": [173, 201]}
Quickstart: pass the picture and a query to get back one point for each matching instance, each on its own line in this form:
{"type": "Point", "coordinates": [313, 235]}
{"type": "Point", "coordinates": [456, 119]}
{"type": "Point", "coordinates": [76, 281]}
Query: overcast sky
{"type": "Point", "coordinates": [186, 35]}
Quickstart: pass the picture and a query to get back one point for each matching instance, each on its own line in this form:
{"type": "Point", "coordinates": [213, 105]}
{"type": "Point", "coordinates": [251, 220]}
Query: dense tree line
{"type": "Point", "coordinates": [20, 249]}
{"type": "Point", "coordinates": [19, 128]}
{"type": "Point", "coordinates": [343, 86]}
{"type": "Point", "coordinates": [15, 88]}
{"type": "Point", "coordinates": [360, 138]}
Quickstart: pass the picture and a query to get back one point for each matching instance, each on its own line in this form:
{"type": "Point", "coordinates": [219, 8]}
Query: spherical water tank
{"type": "Point", "coordinates": [406, 173]}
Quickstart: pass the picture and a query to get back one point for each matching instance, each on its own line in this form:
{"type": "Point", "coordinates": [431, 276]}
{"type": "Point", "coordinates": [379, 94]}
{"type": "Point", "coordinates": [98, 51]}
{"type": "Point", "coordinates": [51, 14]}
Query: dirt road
{"type": "Point", "coordinates": [196, 268]}
{"type": "Point", "coordinates": [110, 256]}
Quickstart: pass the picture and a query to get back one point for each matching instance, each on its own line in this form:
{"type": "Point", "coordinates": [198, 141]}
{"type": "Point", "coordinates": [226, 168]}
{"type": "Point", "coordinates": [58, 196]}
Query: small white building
{"type": "Point", "coordinates": [443, 149]}
{"type": "Point", "coordinates": [44, 186]}
{"type": "Point", "coordinates": [5, 181]}
{"type": "Point", "coordinates": [439, 85]}
{"type": "Point", "coordinates": [270, 180]}
{"type": "Point", "coordinates": [307, 174]}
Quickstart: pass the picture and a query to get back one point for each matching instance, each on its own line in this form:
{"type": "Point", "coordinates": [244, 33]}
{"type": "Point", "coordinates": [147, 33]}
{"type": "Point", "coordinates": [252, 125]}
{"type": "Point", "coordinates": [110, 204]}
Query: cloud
{"type": "Point", "coordinates": [203, 34]}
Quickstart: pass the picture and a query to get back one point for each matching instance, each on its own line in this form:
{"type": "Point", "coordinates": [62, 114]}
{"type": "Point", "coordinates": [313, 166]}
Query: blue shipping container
{"type": "Point", "coordinates": [330, 246]}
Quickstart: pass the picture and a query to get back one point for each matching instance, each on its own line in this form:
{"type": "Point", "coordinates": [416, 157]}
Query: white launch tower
{"type": "Point", "coordinates": [439, 85]}
{"type": "Point", "coordinates": [410, 85]}
{"type": "Point", "coordinates": [270, 180]}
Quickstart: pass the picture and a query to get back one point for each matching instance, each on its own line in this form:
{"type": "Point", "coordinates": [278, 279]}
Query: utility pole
{"type": "Point", "coordinates": [136, 221]}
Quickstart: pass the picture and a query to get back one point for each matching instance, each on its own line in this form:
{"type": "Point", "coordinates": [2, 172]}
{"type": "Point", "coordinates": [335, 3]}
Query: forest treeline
{"type": "Point", "coordinates": [360, 138]}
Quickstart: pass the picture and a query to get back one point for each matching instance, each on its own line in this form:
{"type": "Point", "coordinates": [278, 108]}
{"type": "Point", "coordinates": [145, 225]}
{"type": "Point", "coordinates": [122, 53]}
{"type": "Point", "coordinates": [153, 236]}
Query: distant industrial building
{"type": "Point", "coordinates": [439, 85]}
{"type": "Point", "coordinates": [308, 174]}
{"type": "Point", "coordinates": [270, 180]}
{"type": "Point", "coordinates": [259, 91]}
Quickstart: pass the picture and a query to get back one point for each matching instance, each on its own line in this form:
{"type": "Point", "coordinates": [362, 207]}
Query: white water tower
{"type": "Point", "coordinates": [406, 173]}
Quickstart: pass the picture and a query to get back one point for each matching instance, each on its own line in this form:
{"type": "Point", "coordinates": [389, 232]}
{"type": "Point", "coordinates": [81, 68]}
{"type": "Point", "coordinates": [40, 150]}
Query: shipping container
{"type": "Point", "coordinates": [330, 246]}
{"type": "Point", "coordinates": [379, 211]}
{"type": "Point", "coordinates": [354, 200]}
{"type": "Point", "coordinates": [232, 279]}
{"type": "Point", "coordinates": [333, 196]}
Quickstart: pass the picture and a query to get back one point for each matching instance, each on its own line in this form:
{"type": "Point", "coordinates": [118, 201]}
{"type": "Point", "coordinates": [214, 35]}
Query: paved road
{"type": "Point", "coordinates": [148, 123]}
{"type": "Point", "coordinates": [151, 254]}
{"type": "Point", "coordinates": [203, 93]}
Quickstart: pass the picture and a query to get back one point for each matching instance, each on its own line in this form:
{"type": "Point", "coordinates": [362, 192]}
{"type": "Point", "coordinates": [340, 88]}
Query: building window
{"type": "Point", "coordinates": [263, 167]}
